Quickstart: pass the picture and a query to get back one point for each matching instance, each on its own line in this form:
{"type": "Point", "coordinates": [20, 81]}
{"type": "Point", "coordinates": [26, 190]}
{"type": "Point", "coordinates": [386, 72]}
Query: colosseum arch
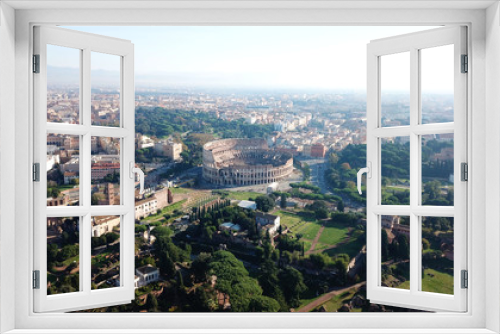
{"type": "Point", "coordinates": [243, 162]}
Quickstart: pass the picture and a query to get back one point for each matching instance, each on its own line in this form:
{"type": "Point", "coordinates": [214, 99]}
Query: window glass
{"type": "Point", "coordinates": [395, 251]}
{"type": "Point", "coordinates": [105, 245]}
{"type": "Point", "coordinates": [63, 255]}
{"type": "Point", "coordinates": [437, 84]}
{"type": "Point", "coordinates": [105, 170]}
{"type": "Point", "coordinates": [63, 170]}
{"type": "Point", "coordinates": [395, 89]}
{"type": "Point", "coordinates": [437, 169]}
{"type": "Point", "coordinates": [63, 84]}
{"type": "Point", "coordinates": [105, 85]}
{"type": "Point", "coordinates": [395, 170]}
{"type": "Point", "coordinates": [437, 255]}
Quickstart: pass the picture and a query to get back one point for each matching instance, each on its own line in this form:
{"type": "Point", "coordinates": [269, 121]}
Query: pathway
{"type": "Point", "coordinates": [343, 242]}
{"type": "Point", "coordinates": [326, 297]}
{"type": "Point", "coordinates": [315, 241]}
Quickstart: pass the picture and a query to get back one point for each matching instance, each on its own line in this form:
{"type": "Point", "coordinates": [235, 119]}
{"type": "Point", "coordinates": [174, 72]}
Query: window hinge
{"type": "Point", "coordinates": [36, 279]}
{"type": "Point", "coordinates": [465, 64]}
{"type": "Point", "coordinates": [36, 63]}
{"type": "Point", "coordinates": [465, 279]}
{"type": "Point", "coordinates": [464, 170]}
{"type": "Point", "coordinates": [36, 172]}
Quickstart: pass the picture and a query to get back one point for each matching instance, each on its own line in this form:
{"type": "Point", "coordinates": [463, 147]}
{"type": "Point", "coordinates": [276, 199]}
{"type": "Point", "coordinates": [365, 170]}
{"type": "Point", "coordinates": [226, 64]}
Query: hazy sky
{"type": "Point", "coordinates": [254, 57]}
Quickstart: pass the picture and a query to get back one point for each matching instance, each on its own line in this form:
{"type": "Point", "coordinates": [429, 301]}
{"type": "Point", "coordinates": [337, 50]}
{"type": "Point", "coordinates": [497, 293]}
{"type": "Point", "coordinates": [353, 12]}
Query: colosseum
{"type": "Point", "coordinates": [241, 162]}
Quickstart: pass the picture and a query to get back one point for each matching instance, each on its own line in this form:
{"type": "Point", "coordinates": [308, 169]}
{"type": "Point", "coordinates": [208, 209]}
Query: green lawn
{"type": "Point", "coordinates": [289, 220]}
{"type": "Point", "coordinates": [243, 195]}
{"type": "Point", "coordinates": [309, 230]}
{"type": "Point", "coordinates": [307, 244]}
{"type": "Point", "coordinates": [321, 246]}
{"type": "Point", "coordinates": [180, 190]}
{"type": "Point", "coordinates": [63, 187]}
{"type": "Point", "coordinates": [352, 247]}
{"type": "Point", "coordinates": [436, 281]}
{"type": "Point", "coordinates": [67, 262]}
{"type": "Point", "coordinates": [333, 235]}
{"type": "Point", "coordinates": [165, 210]}
{"type": "Point", "coordinates": [439, 282]}
{"type": "Point", "coordinates": [336, 302]}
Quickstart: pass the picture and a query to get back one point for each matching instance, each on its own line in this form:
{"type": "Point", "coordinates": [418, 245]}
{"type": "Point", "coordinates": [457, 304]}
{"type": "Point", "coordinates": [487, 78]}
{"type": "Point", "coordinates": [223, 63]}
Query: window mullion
{"type": "Point", "coordinates": [85, 182]}
{"type": "Point", "coordinates": [414, 171]}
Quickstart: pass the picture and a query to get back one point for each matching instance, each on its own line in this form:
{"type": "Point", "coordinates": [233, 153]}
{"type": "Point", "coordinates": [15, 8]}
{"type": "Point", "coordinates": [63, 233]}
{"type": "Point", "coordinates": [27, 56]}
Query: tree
{"type": "Point", "coordinates": [293, 285]}
{"type": "Point", "coordinates": [283, 201]}
{"type": "Point", "coordinates": [180, 280]}
{"type": "Point", "coordinates": [404, 247]}
{"type": "Point", "coordinates": [263, 304]}
{"type": "Point", "coordinates": [200, 267]}
{"type": "Point", "coordinates": [333, 158]}
{"type": "Point", "coordinates": [340, 206]}
{"type": "Point", "coordinates": [233, 279]}
{"type": "Point", "coordinates": [425, 244]}
{"type": "Point", "coordinates": [319, 260]}
{"type": "Point", "coordinates": [385, 245]}
{"type": "Point", "coordinates": [152, 303]}
{"type": "Point", "coordinates": [264, 203]}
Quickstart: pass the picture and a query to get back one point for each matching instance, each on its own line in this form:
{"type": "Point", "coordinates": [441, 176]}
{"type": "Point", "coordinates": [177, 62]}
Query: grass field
{"type": "Point", "coordinates": [180, 190]}
{"type": "Point", "coordinates": [165, 210]}
{"type": "Point", "coordinates": [307, 244]}
{"type": "Point", "coordinates": [336, 302]}
{"type": "Point", "coordinates": [309, 230]}
{"type": "Point", "coordinates": [243, 195]}
{"type": "Point", "coordinates": [436, 281]}
{"type": "Point", "coordinates": [352, 247]}
{"type": "Point", "coordinates": [333, 235]}
{"type": "Point", "coordinates": [433, 281]}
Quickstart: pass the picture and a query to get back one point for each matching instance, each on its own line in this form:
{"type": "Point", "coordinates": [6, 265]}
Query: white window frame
{"type": "Point", "coordinates": [413, 44]}
{"type": "Point", "coordinates": [484, 52]}
{"type": "Point", "coordinates": [86, 43]}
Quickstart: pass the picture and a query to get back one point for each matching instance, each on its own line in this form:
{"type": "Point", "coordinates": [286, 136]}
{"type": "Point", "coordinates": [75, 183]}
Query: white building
{"type": "Point", "coordinates": [146, 275]}
{"type": "Point", "coordinates": [146, 207]}
{"type": "Point", "coordinates": [250, 205]}
{"type": "Point", "coordinates": [268, 222]}
{"type": "Point", "coordinates": [104, 224]}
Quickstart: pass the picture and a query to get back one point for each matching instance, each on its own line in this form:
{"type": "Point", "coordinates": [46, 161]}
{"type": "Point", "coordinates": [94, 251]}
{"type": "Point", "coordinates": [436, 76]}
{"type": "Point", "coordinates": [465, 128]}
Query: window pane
{"type": "Point", "coordinates": [105, 85]}
{"type": "Point", "coordinates": [395, 89]}
{"type": "Point", "coordinates": [395, 171]}
{"type": "Point", "coordinates": [63, 170]}
{"type": "Point", "coordinates": [63, 255]}
{"type": "Point", "coordinates": [105, 171]}
{"type": "Point", "coordinates": [437, 254]}
{"type": "Point", "coordinates": [105, 252]}
{"type": "Point", "coordinates": [437, 170]}
{"type": "Point", "coordinates": [395, 251]}
{"type": "Point", "coordinates": [63, 84]}
{"type": "Point", "coordinates": [437, 80]}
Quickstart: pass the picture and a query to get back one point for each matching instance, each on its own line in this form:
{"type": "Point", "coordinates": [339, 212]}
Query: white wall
{"type": "Point", "coordinates": [7, 184]}
{"type": "Point", "coordinates": [492, 147]}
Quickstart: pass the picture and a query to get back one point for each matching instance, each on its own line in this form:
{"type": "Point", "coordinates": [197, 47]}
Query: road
{"type": "Point", "coordinates": [318, 168]}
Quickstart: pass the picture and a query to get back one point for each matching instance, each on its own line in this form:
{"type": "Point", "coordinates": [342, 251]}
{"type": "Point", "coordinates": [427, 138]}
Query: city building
{"type": "Point", "coordinates": [146, 275]}
{"type": "Point", "coordinates": [168, 149]}
{"type": "Point", "coordinates": [249, 205]}
{"type": "Point", "coordinates": [146, 207]}
{"type": "Point", "coordinates": [266, 221]}
{"type": "Point", "coordinates": [104, 224]}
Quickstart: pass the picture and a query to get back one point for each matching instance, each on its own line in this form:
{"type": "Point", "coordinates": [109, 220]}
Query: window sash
{"type": "Point", "coordinates": [414, 298]}
{"type": "Point", "coordinates": [85, 297]}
